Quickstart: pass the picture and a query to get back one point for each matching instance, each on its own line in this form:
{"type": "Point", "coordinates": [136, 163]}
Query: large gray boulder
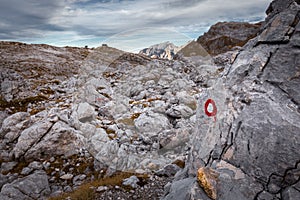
{"type": "Point", "coordinates": [61, 139]}
{"type": "Point", "coordinates": [251, 140]}
{"type": "Point", "coordinates": [85, 112]}
{"type": "Point", "coordinates": [34, 186]}
{"type": "Point", "coordinates": [12, 126]}
{"type": "Point", "coordinates": [152, 123]}
{"type": "Point", "coordinates": [30, 136]}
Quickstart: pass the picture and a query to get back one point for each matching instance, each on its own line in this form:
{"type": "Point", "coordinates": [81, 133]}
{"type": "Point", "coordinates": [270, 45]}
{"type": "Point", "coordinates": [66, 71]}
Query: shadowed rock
{"type": "Point", "coordinates": [225, 36]}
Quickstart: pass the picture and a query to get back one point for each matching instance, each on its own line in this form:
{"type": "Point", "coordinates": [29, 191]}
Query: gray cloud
{"type": "Point", "coordinates": [27, 18]}
{"type": "Point", "coordinates": [79, 19]}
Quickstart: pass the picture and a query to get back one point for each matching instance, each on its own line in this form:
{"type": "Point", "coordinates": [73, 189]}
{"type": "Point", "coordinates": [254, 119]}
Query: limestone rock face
{"type": "Point", "coordinates": [253, 140]}
{"type": "Point", "coordinates": [60, 140]}
{"type": "Point", "coordinates": [34, 186]}
{"type": "Point", "coordinates": [30, 136]}
{"type": "Point", "coordinates": [224, 36]}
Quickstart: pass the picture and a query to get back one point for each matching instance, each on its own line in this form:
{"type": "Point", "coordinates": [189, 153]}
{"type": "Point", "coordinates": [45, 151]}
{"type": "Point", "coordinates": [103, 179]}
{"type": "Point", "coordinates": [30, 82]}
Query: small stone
{"type": "Point", "coordinates": [168, 170]}
{"type": "Point", "coordinates": [26, 171]}
{"type": "Point", "coordinates": [53, 118]}
{"type": "Point", "coordinates": [207, 179]}
{"type": "Point", "coordinates": [52, 159]}
{"type": "Point", "coordinates": [82, 177]}
{"type": "Point", "coordinates": [77, 180]}
{"type": "Point", "coordinates": [46, 165]}
{"type": "Point", "coordinates": [7, 166]}
{"type": "Point", "coordinates": [35, 165]}
{"type": "Point", "coordinates": [66, 176]}
{"type": "Point", "coordinates": [101, 189]}
{"type": "Point", "coordinates": [117, 187]}
{"type": "Point", "coordinates": [52, 179]}
{"type": "Point", "coordinates": [12, 177]}
{"type": "Point", "coordinates": [106, 122]}
{"type": "Point", "coordinates": [140, 171]}
{"type": "Point", "coordinates": [56, 193]}
{"type": "Point", "coordinates": [152, 166]}
{"type": "Point", "coordinates": [68, 189]}
{"type": "Point", "coordinates": [85, 112]}
{"type": "Point", "coordinates": [131, 181]}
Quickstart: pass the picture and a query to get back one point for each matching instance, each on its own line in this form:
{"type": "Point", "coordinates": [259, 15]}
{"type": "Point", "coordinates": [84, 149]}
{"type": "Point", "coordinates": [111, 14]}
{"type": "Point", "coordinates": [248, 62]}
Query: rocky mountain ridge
{"type": "Point", "coordinates": [225, 36]}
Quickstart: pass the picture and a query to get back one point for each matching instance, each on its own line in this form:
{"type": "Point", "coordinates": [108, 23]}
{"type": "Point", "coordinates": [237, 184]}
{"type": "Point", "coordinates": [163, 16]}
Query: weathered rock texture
{"type": "Point", "coordinates": [253, 142]}
{"type": "Point", "coordinates": [145, 108]}
{"type": "Point", "coordinates": [225, 36]}
{"type": "Point", "coordinates": [34, 186]}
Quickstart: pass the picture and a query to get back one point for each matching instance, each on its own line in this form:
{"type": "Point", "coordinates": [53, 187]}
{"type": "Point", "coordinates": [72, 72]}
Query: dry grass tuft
{"type": "Point", "coordinates": [87, 191]}
{"type": "Point", "coordinates": [20, 105]}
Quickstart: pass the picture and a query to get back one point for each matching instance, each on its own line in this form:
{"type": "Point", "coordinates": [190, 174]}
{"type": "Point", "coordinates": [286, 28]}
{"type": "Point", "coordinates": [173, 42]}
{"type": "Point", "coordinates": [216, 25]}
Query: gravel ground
{"type": "Point", "coordinates": [152, 189]}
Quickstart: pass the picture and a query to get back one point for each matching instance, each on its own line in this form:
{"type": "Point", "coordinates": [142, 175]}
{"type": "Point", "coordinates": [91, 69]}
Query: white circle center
{"type": "Point", "coordinates": [210, 108]}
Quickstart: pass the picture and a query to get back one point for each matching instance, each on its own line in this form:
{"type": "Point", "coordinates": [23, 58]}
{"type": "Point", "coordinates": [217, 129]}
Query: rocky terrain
{"type": "Point", "coordinates": [77, 116]}
{"type": "Point", "coordinates": [79, 123]}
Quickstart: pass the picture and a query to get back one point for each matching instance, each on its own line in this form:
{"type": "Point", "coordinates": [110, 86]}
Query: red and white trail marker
{"type": "Point", "coordinates": [210, 108]}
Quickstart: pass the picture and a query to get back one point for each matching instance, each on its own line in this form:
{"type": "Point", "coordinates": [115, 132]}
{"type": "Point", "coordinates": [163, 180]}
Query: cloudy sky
{"type": "Point", "coordinates": [126, 24]}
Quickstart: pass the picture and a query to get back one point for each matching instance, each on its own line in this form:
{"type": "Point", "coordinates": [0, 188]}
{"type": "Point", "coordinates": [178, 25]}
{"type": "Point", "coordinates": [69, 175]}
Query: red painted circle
{"type": "Point", "coordinates": [214, 111]}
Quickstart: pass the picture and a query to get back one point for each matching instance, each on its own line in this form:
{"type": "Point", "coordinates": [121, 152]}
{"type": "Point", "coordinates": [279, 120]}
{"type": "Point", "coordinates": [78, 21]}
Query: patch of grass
{"type": "Point", "coordinates": [153, 99]}
{"type": "Point", "coordinates": [106, 95]}
{"type": "Point", "coordinates": [192, 105]}
{"type": "Point", "coordinates": [145, 105]}
{"type": "Point", "coordinates": [20, 105]}
{"type": "Point", "coordinates": [47, 90]}
{"type": "Point", "coordinates": [35, 111]}
{"type": "Point", "coordinates": [129, 121]}
{"type": "Point", "coordinates": [87, 190]}
{"type": "Point", "coordinates": [18, 168]}
{"type": "Point", "coordinates": [84, 192]}
{"type": "Point", "coordinates": [144, 102]}
{"type": "Point", "coordinates": [78, 164]}
{"type": "Point", "coordinates": [126, 121]}
{"type": "Point", "coordinates": [55, 81]}
{"type": "Point", "coordinates": [135, 116]}
{"type": "Point", "coordinates": [179, 163]}
{"type": "Point", "coordinates": [109, 74]}
{"type": "Point", "coordinates": [111, 134]}
{"type": "Point", "coordinates": [221, 69]}
{"type": "Point", "coordinates": [100, 88]}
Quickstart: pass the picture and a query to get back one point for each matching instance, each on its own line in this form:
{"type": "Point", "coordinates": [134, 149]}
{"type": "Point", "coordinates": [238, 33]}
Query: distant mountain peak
{"type": "Point", "coordinates": [165, 50]}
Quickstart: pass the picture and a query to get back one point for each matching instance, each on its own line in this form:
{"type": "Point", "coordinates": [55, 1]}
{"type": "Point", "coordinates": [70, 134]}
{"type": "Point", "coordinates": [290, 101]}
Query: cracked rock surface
{"type": "Point", "coordinates": [253, 142]}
